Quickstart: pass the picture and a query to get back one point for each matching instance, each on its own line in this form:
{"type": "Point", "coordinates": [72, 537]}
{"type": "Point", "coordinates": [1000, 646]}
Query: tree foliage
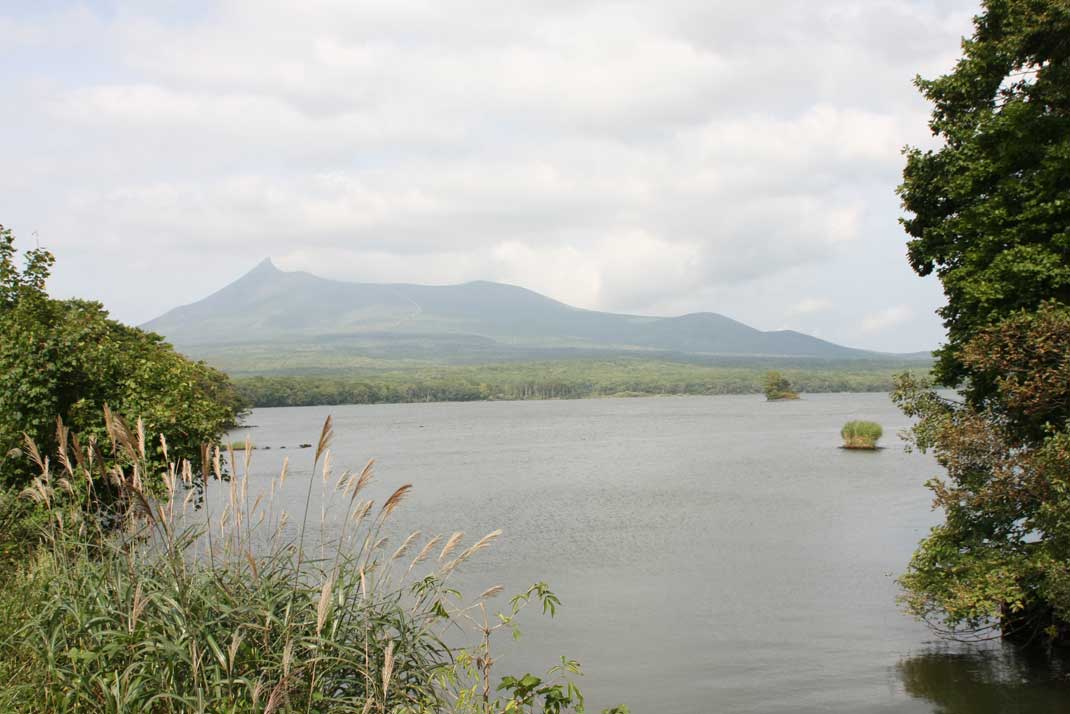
{"type": "Point", "coordinates": [572, 379]}
{"type": "Point", "coordinates": [990, 208]}
{"type": "Point", "coordinates": [1003, 550]}
{"type": "Point", "coordinates": [991, 217]}
{"type": "Point", "coordinates": [67, 359]}
{"type": "Point", "coordinates": [778, 387]}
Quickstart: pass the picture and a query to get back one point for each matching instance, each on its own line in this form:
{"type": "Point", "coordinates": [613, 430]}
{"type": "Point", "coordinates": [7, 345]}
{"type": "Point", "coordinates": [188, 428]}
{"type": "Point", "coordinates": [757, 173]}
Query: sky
{"type": "Point", "coordinates": [651, 158]}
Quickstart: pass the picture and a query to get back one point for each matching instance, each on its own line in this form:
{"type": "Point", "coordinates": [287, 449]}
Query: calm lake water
{"type": "Point", "coordinates": [713, 554]}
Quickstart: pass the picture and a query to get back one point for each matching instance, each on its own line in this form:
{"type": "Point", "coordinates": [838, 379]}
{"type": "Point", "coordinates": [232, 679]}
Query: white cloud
{"type": "Point", "coordinates": [889, 317]}
{"type": "Point", "coordinates": [676, 156]}
{"type": "Point", "coordinates": [809, 305]}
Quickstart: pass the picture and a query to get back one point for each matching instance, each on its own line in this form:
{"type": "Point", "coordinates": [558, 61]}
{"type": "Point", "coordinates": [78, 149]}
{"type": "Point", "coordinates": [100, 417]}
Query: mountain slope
{"type": "Point", "coordinates": [269, 306]}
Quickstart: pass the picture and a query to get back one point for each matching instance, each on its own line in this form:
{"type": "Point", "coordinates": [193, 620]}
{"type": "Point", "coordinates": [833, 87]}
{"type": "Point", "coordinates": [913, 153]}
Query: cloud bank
{"type": "Point", "coordinates": [655, 158]}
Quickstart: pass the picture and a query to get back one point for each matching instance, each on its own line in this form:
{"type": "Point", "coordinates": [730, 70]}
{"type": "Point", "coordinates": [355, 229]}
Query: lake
{"type": "Point", "coordinates": [713, 554]}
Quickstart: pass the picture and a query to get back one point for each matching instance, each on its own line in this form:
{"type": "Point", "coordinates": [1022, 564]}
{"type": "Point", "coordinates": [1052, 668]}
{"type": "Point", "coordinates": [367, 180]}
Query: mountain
{"type": "Point", "coordinates": [271, 309]}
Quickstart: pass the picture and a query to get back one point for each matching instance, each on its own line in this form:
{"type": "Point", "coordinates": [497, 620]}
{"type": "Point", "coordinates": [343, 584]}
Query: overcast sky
{"type": "Point", "coordinates": [650, 157]}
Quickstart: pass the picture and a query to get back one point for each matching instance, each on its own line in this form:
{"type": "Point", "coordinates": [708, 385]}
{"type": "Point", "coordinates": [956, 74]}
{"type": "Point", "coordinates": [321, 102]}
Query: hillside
{"type": "Point", "coordinates": [269, 311]}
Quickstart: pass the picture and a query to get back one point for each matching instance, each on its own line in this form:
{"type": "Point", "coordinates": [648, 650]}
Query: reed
{"type": "Point", "coordinates": [861, 434]}
{"type": "Point", "coordinates": [137, 602]}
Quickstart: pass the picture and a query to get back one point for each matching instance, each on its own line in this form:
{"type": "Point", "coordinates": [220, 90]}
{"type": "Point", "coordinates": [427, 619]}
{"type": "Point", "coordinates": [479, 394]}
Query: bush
{"type": "Point", "coordinates": [777, 387]}
{"type": "Point", "coordinates": [861, 434]}
{"type": "Point", "coordinates": [66, 358]}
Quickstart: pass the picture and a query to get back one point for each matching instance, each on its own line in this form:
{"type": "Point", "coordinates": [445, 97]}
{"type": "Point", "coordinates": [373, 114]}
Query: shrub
{"type": "Point", "coordinates": [861, 434]}
{"type": "Point", "coordinates": [777, 387]}
{"type": "Point", "coordinates": [66, 358]}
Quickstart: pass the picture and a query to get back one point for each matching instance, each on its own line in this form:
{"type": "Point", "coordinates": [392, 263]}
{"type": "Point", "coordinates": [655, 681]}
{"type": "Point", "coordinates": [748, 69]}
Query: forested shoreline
{"type": "Point", "coordinates": [550, 380]}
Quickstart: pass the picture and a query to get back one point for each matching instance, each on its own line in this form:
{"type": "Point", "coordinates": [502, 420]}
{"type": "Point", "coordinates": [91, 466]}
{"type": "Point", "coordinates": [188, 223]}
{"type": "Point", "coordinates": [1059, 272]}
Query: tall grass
{"type": "Point", "coordinates": [138, 602]}
{"type": "Point", "coordinates": [861, 434]}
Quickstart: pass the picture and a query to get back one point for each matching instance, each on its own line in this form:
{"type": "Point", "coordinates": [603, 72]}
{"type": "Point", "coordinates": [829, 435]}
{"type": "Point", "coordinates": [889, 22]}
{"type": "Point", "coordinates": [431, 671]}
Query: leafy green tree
{"type": "Point", "coordinates": [1002, 554]}
{"type": "Point", "coordinates": [30, 281]}
{"type": "Point", "coordinates": [991, 218]}
{"type": "Point", "coordinates": [67, 359]}
{"type": "Point", "coordinates": [990, 208]}
{"type": "Point", "coordinates": [778, 387]}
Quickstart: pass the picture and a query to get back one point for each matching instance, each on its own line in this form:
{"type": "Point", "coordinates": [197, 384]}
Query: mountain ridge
{"type": "Point", "coordinates": [267, 305]}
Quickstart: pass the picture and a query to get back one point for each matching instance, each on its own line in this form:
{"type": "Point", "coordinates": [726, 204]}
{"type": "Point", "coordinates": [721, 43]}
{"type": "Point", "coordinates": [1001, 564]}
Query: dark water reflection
{"type": "Point", "coordinates": [714, 554]}
{"type": "Point", "coordinates": [994, 680]}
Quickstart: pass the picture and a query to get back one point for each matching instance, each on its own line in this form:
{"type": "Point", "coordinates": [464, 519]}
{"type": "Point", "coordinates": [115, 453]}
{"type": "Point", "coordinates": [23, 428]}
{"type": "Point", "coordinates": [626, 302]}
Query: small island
{"type": "Point", "coordinates": [862, 435]}
{"type": "Point", "coordinates": [778, 388]}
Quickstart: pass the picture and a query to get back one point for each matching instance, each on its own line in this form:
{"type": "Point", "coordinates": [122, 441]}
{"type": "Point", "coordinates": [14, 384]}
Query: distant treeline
{"type": "Point", "coordinates": [554, 380]}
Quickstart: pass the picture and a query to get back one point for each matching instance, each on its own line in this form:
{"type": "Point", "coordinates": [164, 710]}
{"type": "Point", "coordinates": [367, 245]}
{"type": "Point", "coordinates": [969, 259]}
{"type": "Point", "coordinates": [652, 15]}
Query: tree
{"type": "Point", "coordinates": [778, 387]}
{"type": "Point", "coordinates": [991, 218]}
{"type": "Point", "coordinates": [991, 207]}
{"type": "Point", "coordinates": [31, 281]}
{"type": "Point", "coordinates": [67, 359]}
{"type": "Point", "coordinates": [1002, 554]}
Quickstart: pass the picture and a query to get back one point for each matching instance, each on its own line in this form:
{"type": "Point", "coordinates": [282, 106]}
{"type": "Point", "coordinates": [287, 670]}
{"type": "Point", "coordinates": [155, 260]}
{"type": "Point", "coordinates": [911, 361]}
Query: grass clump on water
{"type": "Point", "coordinates": [861, 434]}
{"type": "Point", "coordinates": [138, 601]}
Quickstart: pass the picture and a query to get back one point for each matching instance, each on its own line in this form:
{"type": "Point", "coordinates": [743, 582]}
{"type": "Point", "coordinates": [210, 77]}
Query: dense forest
{"type": "Point", "coordinates": [553, 380]}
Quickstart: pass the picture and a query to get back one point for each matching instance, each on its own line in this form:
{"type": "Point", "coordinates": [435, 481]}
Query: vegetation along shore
{"type": "Point", "coordinates": [576, 379]}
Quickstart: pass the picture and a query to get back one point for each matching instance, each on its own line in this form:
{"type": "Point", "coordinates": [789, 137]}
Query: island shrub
{"type": "Point", "coordinates": [861, 434]}
{"type": "Point", "coordinates": [778, 388]}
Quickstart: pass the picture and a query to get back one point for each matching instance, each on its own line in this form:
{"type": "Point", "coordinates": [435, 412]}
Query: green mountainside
{"type": "Point", "coordinates": [271, 321]}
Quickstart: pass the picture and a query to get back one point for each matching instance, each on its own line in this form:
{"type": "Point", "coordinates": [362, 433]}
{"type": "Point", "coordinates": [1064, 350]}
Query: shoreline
{"type": "Point", "coordinates": [592, 397]}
